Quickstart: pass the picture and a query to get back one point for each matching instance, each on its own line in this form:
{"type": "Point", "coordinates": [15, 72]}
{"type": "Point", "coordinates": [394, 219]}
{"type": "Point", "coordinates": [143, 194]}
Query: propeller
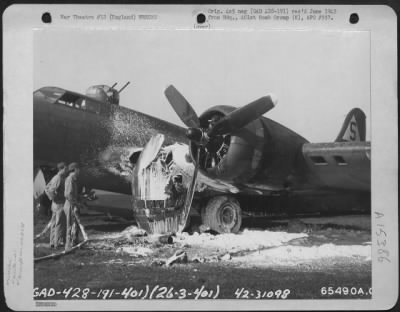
{"type": "Point", "coordinates": [182, 107]}
{"type": "Point", "coordinates": [242, 116]}
{"type": "Point", "coordinates": [189, 194]}
{"type": "Point", "coordinates": [233, 121]}
{"type": "Point", "coordinates": [201, 137]}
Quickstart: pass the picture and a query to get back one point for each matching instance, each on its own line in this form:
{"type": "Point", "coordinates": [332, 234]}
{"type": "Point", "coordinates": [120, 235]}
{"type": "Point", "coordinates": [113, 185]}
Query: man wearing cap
{"type": "Point", "coordinates": [55, 191]}
{"type": "Point", "coordinates": [71, 205]}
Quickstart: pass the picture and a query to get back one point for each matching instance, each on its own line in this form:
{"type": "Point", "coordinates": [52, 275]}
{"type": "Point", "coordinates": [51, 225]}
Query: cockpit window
{"type": "Point", "coordinates": [79, 102]}
{"type": "Point", "coordinates": [70, 100]}
{"type": "Point", "coordinates": [50, 95]}
{"type": "Point", "coordinates": [60, 96]}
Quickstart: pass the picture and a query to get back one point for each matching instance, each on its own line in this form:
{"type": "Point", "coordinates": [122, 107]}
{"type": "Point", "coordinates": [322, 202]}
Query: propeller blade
{"type": "Point", "coordinates": [244, 115]}
{"type": "Point", "coordinates": [190, 193]}
{"type": "Point", "coordinates": [182, 107]}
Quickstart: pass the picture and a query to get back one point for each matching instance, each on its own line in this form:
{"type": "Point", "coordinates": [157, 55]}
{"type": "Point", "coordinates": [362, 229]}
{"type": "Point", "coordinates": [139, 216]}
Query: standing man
{"type": "Point", "coordinates": [71, 205]}
{"type": "Point", "coordinates": [55, 191]}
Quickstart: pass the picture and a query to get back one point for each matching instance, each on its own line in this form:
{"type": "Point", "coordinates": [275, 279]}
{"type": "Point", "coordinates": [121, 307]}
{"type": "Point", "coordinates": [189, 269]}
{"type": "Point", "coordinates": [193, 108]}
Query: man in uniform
{"type": "Point", "coordinates": [55, 191]}
{"type": "Point", "coordinates": [71, 206]}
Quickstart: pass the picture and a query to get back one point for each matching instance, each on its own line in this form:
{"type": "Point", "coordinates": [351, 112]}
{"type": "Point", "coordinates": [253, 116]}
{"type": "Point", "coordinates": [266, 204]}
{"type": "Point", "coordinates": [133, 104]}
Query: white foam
{"type": "Point", "coordinates": [246, 240]}
{"type": "Point", "coordinates": [136, 250]}
{"type": "Point", "coordinates": [292, 255]}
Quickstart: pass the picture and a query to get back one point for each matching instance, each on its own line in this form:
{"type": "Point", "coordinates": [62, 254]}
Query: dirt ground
{"type": "Point", "coordinates": [326, 257]}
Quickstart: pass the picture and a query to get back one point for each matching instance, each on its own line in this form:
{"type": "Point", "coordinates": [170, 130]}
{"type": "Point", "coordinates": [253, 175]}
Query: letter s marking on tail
{"type": "Point", "coordinates": [353, 131]}
{"type": "Point", "coordinates": [353, 128]}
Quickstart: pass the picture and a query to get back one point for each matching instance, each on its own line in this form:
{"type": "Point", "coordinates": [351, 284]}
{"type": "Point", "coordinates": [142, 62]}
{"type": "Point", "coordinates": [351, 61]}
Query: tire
{"type": "Point", "coordinates": [222, 214]}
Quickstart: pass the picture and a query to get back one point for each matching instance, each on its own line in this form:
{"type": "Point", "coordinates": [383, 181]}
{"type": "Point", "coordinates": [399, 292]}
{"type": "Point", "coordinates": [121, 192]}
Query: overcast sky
{"type": "Point", "coordinates": [317, 76]}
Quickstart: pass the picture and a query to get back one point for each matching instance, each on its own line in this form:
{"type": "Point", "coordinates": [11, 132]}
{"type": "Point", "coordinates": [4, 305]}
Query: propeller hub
{"type": "Point", "coordinates": [194, 134]}
{"type": "Point", "coordinates": [197, 135]}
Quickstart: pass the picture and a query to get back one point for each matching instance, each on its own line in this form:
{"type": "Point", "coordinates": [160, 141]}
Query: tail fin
{"type": "Point", "coordinates": [353, 128]}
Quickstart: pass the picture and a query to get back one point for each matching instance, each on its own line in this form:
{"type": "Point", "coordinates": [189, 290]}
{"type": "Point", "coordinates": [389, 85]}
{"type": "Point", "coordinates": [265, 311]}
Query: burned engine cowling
{"type": "Point", "coordinates": [263, 154]}
{"type": "Point", "coordinates": [234, 157]}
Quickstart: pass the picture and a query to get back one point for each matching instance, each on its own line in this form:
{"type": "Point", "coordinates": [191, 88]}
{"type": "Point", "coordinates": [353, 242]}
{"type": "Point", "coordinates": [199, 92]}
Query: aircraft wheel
{"type": "Point", "coordinates": [222, 214]}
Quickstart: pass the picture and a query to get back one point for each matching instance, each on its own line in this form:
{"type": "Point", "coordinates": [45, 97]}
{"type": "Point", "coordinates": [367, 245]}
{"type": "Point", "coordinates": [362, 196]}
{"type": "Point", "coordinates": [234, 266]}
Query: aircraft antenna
{"type": "Point", "coordinates": [124, 87]}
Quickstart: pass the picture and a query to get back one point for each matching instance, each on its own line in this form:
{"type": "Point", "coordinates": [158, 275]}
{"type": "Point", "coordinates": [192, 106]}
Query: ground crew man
{"type": "Point", "coordinates": [55, 191]}
{"type": "Point", "coordinates": [71, 206]}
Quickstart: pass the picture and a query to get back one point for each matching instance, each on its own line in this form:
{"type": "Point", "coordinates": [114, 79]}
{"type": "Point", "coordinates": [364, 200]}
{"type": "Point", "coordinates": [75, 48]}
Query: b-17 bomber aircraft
{"type": "Point", "coordinates": [228, 163]}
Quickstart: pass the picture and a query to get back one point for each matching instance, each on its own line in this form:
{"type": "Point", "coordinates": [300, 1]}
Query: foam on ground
{"type": "Point", "coordinates": [292, 255]}
{"type": "Point", "coordinates": [246, 240]}
{"type": "Point", "coordinates": [136, 250]}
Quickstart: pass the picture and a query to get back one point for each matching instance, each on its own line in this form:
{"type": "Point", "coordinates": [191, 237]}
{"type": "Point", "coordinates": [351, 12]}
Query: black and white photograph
{"type": "Point", "coordinates": [199, 161]}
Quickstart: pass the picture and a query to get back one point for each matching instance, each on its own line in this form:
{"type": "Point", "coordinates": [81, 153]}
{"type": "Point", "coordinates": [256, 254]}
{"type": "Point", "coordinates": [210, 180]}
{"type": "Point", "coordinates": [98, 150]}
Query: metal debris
{"type": "Point", "coordinates": [166, 239]}
{"type": "Point", "coordinates": [203, 228]}
{"type": "Point", "coordinates": [135, 251]}
{"type": "Point", "coordinates": [198, 260]}
{"type": "Point", "coordinates": [226, 257]}
{"type": "Point", "coordinates": [158, 262]}
{"type": "Point", "coordinates": [213, 258]}
{"type": "Point", "coordinates": [132, 232]}
{"type": "Point", "coordinates": [179, 257]}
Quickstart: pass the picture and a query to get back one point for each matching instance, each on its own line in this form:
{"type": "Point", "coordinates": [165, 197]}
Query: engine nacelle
{"type": "Point", "coordinates": [262, 153]}
{"type": "Point", "coordinates": [234, 157]}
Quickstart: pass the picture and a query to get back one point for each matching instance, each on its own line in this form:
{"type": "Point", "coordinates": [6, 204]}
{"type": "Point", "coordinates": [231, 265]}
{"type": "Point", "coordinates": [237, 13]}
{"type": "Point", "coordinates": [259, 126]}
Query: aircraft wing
{"type": "Point", "coordinates": [339, 165]}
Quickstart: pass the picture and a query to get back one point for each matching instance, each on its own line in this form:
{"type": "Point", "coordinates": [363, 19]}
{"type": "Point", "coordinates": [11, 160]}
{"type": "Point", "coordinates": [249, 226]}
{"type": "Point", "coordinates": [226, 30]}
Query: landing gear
{"type": "Point", "coordinates": [222, 214]}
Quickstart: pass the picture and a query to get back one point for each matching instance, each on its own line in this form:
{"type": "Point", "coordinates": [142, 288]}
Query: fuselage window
{"type": "Point", "coordinates": [74, 104]}
{"type": "Point", "coordinates": [318, 160]}
{"type": "Point", "coordinates": [340, 160]}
